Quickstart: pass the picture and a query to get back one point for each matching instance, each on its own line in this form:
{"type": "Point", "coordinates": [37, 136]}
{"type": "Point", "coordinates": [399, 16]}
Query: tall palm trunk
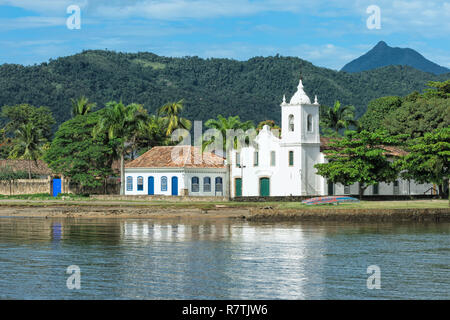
{"type": "Point", "coordinates": [122, 174]}
{"type": "Point", "coordinates": [29, 169]}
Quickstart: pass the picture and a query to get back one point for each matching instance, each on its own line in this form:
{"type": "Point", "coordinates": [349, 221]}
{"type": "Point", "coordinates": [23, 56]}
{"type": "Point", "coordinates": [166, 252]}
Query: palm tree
{"type": "Point", "coordinates": [81, 106]}
{"type": "Point", "coordinates": [27, 144]}
{"type": "Point", "coordinates": [223, 124]}
{"type": "Point", "coordinates": [338, 117]}
{"type": "Point", "coordinates": [153, 133]}
{"type": "Point", "coordinates": [122, 123]}
{"type": "Point", "coordinates": [170, 112]}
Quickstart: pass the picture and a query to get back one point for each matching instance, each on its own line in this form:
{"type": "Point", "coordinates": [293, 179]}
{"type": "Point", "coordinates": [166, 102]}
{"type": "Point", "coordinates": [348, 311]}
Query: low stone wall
{"type": "Point", "coordinates": [157, 198]}
{"type": "Point", "coordinates": [365, 198]}
{"type": "Point", "coordinates": [18, 187]}
{"type": "Point", "coordinates": [112, 187]}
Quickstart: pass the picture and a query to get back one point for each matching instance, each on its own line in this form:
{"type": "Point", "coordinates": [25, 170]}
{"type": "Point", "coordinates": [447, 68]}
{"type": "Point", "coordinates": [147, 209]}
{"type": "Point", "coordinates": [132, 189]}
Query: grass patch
{"type": "Point", "coordinates": [44, 196]}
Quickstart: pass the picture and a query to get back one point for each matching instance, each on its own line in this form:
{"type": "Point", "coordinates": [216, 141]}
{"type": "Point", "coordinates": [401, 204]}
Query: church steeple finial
{"type": "Point", "coordinates": [284, 99]}
{"type": "Point", "coordinates": [300, 97]}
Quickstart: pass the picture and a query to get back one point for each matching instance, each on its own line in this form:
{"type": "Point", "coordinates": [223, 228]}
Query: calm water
{"type": "Point", "coordinates": [142, 259]}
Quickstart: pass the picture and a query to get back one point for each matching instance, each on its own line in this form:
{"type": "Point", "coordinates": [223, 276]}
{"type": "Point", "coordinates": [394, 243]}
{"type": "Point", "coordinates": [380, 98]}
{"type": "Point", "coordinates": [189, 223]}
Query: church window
{"type": "Point", "coordinates": [272, 158]}
{"type": "Point", "coordinates": [291, 122]}
{"type": "Point", "coordinates": [346, 189]}
{"type": "Point", "coordinates": [255, 158]}
{"type": "Point", "coordinates": [309, 124]}
{"type": "Point", "coordinates": [238, 159]}
{"type": "Point", "coordinates": [291, 158]}
{"type": "Point", "coordinates": [376, 189]}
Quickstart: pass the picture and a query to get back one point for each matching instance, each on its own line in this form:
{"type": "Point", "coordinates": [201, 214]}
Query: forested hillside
{"type": "Point", "coordinates": [252, 89]}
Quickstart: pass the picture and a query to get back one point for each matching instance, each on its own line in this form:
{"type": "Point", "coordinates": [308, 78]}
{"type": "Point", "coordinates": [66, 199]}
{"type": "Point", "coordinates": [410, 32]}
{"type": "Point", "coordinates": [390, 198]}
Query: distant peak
{"type": "Point", "coordinates": [381, 44]}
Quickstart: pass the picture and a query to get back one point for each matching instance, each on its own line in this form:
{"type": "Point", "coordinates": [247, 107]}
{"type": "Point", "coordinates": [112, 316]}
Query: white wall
{"type": "Point", "coordinates": [184, 176]}
{"type": "Point", "coordinates": [404, 188]}
{"type": "Point", "coordinates": [157, 174]}
{"type": "Point", "coordinates": [201, 174]}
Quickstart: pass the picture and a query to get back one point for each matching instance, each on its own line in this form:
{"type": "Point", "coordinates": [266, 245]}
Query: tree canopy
{"type": "Point", "coordinates": [77, 154]}
{"type": "Point", "coordinates": [428, 159]}
{"type": "Point", "coordinates": [15, 116]}
{"type": "Point", "coordinates": [360, 157]}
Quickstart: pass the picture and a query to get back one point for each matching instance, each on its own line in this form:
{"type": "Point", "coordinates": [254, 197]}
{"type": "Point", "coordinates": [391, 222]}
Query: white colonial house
{"type": "Point", "coordinates": [176, 170]}
{"type": "Point", "coordinates": [271, 166]}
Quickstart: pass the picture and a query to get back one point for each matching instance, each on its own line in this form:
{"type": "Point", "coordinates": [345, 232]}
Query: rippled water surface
{"type": "Point", "coordinates": [142, 259]}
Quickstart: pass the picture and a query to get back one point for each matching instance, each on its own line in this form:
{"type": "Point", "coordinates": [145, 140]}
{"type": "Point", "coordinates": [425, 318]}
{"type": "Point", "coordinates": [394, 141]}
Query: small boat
{"type": "Point", "coordinates": [329, 200]}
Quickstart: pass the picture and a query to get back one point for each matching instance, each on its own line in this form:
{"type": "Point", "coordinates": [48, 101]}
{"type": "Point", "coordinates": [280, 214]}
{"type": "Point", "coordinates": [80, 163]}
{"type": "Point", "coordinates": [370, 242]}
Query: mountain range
{"type": "Point", "coordinates": [383, 55]}
{"type": "Point", "coordinates": [252, 89]}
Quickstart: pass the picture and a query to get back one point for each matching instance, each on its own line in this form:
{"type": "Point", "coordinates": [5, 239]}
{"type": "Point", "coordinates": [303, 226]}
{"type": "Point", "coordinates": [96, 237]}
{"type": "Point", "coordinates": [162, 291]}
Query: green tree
{"type": "Point", "coordinates": [18, 115]}
{"type": "Point", "coordinates": [78, 155]}
{"type": "Point", "coordinates": [271, 124]}
{"type": "Point", "coordinates": [81, 106]}
{"type": "Point", "coordinates": [5, 145]}
{"type": "Point", "coordinates": [417, 117]}
{"type": "Point", "coordinates": [152, 133]}
{"type": "Point", "coordinates": [170, 113]}
{"type": "Point", "coordinates": [377, 111]}
{"type": "Point", "coordinates": [27, 144]}
{"type": "Point", "coordinates": [438, 89]}
{"type": "Point", "coordinates": [429, 159]}
{"type": "Point", "coordinates": [360, 157]}
{"type": "Point", "coordinates": [222, 125]}
{"type": "Point", "coordinates": [337, 118]}
{"type": "Point", "coordinates": [121, 123]}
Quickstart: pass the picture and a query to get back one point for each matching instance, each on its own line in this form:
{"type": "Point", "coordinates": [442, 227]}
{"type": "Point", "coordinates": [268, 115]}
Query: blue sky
{"type": "Point", "coordinates": [326, 33]}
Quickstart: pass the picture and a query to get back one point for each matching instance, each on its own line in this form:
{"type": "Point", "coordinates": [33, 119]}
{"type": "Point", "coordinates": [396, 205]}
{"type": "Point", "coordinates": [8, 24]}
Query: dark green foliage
{"type": "Point", "coordinates": [413, 115]}
{"type": "Point", "coordinates": [5, 145]}
{"type": "Point", "coordinates": [360, 157]}
{"type": "Point", "coordinates": [77, 154]}
{"type": "Point", "coordinates": [377, 111]}
{"type": "Point", "coordinates": [8, 174]}
{"type": "Point", "coordinates": [429, 158]}
{"type": "Point", "coordinates": [15, 116]}
{"type": "Point", "coordinates": [415, 118]}
{"type": "Point", "coordinates": [336, 118]}
{"type": "Point", "coordinates": [252, 89]}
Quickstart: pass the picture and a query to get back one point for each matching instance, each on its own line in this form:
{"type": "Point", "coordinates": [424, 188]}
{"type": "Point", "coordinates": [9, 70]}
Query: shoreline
{"type": "Point", "coordinates": [249, 212]}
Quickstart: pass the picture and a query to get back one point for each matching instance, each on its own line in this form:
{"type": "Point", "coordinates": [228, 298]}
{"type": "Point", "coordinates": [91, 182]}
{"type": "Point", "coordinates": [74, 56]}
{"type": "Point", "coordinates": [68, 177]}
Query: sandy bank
{"type": "Point", "coordinates": [222, 212]}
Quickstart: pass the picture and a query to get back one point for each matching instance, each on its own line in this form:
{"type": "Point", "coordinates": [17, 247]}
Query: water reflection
{"type": "Point", "coordinates": [143, 259]}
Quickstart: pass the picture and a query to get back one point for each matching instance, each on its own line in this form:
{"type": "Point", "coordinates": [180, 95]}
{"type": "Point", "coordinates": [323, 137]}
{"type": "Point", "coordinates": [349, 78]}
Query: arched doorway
{"type": "Point", "coordinates": [151, 186]}
{"type": "Point", "coordinates": [174, 186]}
{"type": "Point", "coordinates": [264, 187]}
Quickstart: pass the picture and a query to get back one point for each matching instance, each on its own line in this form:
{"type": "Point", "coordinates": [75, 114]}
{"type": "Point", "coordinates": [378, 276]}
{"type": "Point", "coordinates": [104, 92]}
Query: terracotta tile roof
{"type": "Point", "coordinates": [392, 150]}
{"type": "Point", "coordinates": [40, 168]}
{"type": "Point", "coordinates": [177, 157]}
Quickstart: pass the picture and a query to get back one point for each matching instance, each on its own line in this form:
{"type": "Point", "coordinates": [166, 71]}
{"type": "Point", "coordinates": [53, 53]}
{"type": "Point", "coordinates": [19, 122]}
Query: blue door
{"type": "Point", "coordinates": [56, 187]}
{"type": "Point", "coordinates": [174, 186]}
{"type": "Point", "coordinates": [151, 186]}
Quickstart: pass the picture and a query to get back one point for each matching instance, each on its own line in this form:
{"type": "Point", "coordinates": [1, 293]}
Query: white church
{"type": "Point", "coordinates": [271, 166]}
